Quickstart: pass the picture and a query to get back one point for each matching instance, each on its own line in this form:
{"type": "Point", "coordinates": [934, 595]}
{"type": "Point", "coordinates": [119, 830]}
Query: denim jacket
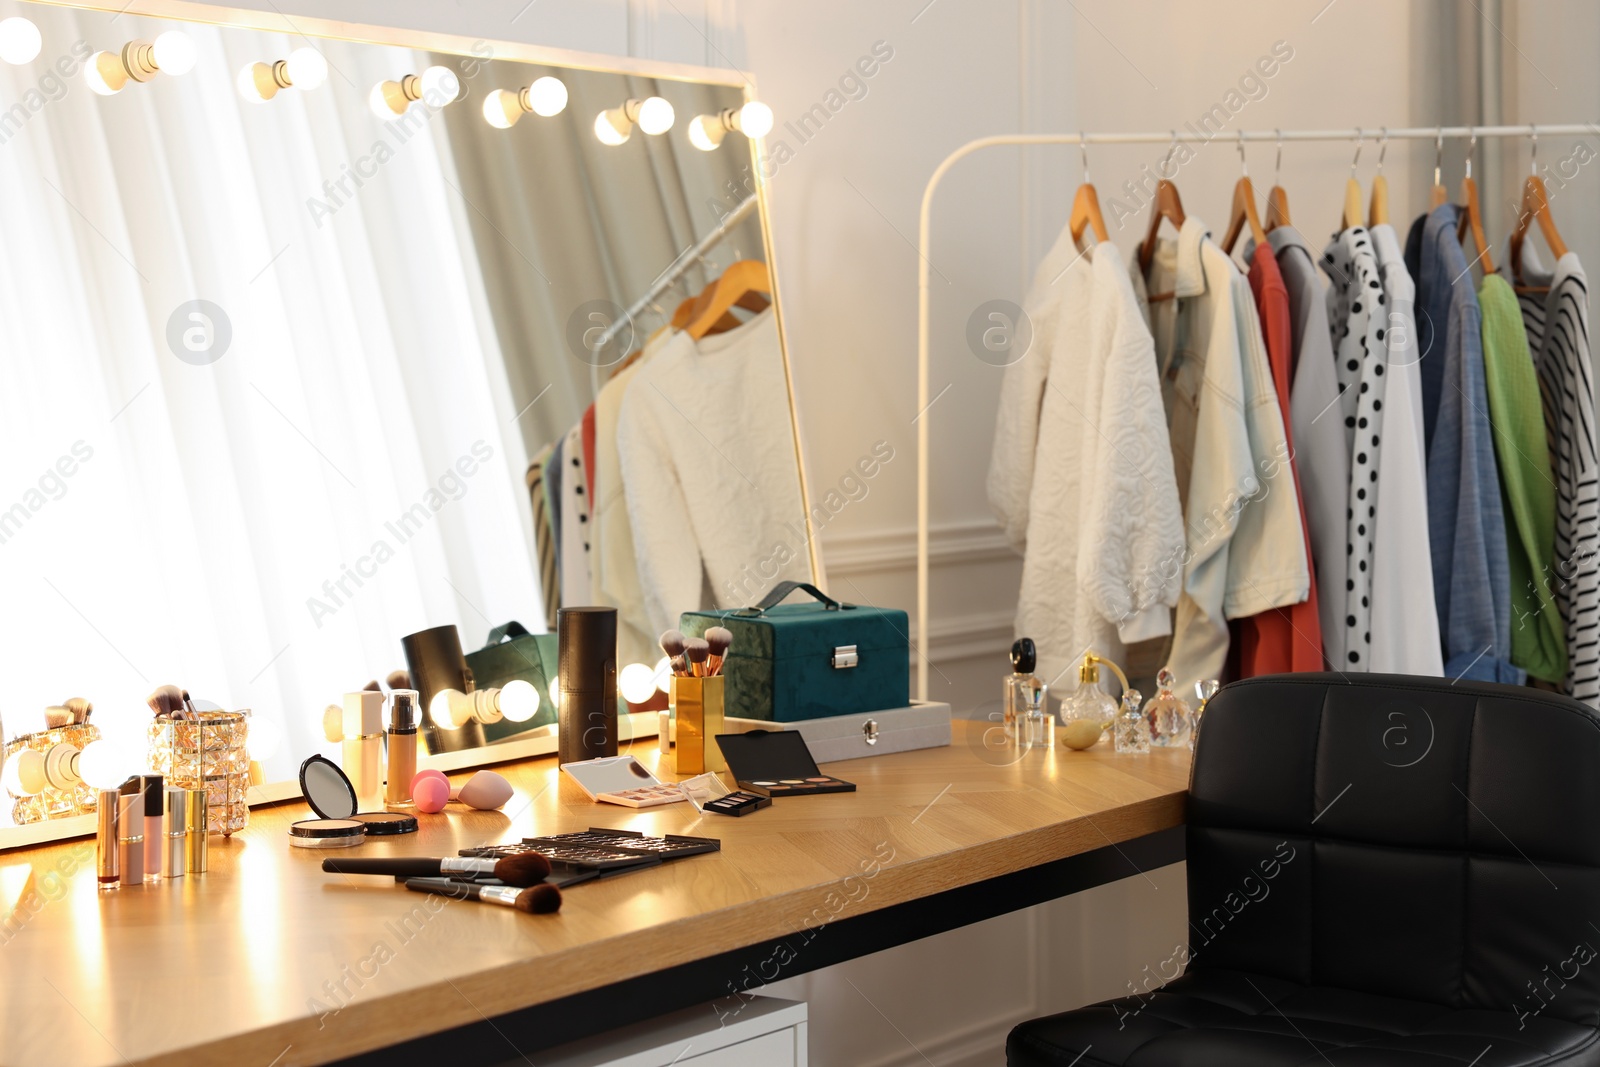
{"type": "Point", "coordinates": [1466, 523]}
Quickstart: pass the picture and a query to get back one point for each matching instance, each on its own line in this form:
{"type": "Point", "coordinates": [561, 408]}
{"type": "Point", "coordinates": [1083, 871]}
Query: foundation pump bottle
{"type": "Point", "coordinates": [402, 747]}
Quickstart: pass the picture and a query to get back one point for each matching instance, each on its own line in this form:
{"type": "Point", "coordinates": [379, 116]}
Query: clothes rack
{"type": "Point", "coordinates": [1189, 136]}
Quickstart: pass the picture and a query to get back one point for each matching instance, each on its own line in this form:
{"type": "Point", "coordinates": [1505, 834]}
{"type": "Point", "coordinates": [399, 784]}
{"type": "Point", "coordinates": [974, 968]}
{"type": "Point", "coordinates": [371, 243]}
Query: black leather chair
{"type": "Point", "coordinates": [1382, 870]}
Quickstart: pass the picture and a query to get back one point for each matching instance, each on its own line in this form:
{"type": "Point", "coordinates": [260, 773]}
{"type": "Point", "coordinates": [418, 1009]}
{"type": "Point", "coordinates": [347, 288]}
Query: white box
{"type": "Point", "coordinates": [873, 733]}
{"type": "Point", "coordinates": [756, 1032]}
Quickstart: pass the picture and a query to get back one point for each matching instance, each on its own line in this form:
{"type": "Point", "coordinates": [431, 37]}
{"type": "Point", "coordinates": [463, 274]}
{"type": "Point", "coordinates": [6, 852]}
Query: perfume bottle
{"type": "Point", "coordinates": [1171, 721]}
{"type": "Point", "coordinates": [1203, 691]}
{"type": "Point", "coordinates": [1133, 729]}
{"type": "Point", "coordinates": [1022, 706]}
{"type": "Point", "coordinates": [1087, 713]}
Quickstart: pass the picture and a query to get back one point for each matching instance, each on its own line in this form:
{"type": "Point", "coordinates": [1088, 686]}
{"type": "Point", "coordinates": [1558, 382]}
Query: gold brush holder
{"type": "Point", "coordinates": [210, 754]}
{"type": "Point", "coordinates": [697, 707]}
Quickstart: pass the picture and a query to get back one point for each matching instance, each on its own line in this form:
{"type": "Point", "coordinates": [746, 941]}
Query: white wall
{"type": "Point", "coordinates": [844, 220]}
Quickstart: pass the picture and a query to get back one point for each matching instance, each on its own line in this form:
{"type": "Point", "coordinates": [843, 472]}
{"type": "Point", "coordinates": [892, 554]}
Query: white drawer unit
{"type": "Point", "coordinates": [753, 1032]}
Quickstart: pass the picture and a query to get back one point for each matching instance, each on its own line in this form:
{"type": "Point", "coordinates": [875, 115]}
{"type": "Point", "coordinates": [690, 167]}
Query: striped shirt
{"type": "Point", "coordinates": [1557, 323]}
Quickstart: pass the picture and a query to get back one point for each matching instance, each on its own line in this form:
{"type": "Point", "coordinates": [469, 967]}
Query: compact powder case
{"type": "Point", "coordinates": [387, 823]}
{"type": "Point", "coordinates": [776, 764]}
{"type": "Point", "coordinates": [327, 833]}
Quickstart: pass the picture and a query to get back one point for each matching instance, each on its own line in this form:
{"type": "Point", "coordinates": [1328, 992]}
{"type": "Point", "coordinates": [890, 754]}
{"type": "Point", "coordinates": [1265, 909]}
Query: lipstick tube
{"type": "Point", "coordinates": [130, 831]}
{"type": "Point", "coordinates": [195, 831]}
{"type": "Point", "coordinates": [154, 808]}
{"type": "Point", "coordinates": [108, 867]}
{"type": "Point", "coordinates": [176, 830]}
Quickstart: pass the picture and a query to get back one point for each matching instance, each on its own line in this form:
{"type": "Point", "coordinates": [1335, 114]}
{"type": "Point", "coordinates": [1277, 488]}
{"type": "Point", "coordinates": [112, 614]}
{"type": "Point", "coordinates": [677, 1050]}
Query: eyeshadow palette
{"type": "Point", "coordinates": [669, 847]}
{"type": "Point", "coordinates": [776, 764]}
{"type": "Point", "coordinates": [602, 850]}
{"type": "Point", "coordinates": [570, 855]}
{"type": "Point", "coordinates": [737, 803]}
{"type": "Point", "coordinates": [622, 780]}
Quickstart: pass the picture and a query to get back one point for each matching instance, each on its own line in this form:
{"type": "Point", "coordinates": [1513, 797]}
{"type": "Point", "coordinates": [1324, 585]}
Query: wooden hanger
{"type": "Point", "coordinates": [1244, 207]}
{"type": "Point", "coordinates": [1439, 194]}
{"type": "Point", "coordinates": [1086, 205]}
{"type": "Point", "coordinates": [1352, 192]}
{"type": "Point", "coordinates": [1277, 199]}
{"type": "Point", "coordinates": [1378, 211]}
{"type": "Point", "coordinates": [1168, 205]}
{"type": "Point", "coordinates": [1535, 206]}
{"type": "Point", "coordinates": [1472, 216]}
{"type": "Point", "coordinates": [741, 278]}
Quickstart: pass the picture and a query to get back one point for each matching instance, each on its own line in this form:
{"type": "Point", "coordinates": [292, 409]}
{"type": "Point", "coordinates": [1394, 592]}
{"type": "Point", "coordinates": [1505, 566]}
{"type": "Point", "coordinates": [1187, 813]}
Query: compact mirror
{"type": "Point", "coordinates": [326, 788]}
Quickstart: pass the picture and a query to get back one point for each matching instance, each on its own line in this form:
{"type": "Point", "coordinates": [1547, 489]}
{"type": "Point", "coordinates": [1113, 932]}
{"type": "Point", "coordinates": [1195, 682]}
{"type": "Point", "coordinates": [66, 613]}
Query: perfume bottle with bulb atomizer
{"type": "Point", "coordinates": [1089, 710]}
{"type": "Point", "coordinates": [1132, 732]}
{"type": "Point", "coordinates": [1171, 720]}
{"type": "Point", "coordinates": [1022, 699]}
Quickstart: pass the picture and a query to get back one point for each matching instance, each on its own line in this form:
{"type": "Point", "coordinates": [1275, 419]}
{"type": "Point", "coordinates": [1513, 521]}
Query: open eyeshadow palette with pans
{"type": "Point", "coordinates": [622, 780]}
{"type": "Point", "coordinates": [776, 764]}
{"type": "Point", "coordinates": [602, 850]}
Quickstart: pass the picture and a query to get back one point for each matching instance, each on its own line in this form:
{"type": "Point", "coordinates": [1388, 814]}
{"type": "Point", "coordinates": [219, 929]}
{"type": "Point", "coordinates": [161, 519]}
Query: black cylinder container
{"type": "Point", "coordinates": [587, 652]}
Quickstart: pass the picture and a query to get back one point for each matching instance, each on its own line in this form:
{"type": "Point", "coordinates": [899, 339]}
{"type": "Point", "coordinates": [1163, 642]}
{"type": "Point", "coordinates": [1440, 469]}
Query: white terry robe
{"type": "Point", "coordinates": [1081, 473]}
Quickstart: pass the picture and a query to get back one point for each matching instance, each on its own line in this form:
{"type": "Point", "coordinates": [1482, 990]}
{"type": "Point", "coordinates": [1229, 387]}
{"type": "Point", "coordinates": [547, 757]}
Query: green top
{"type": "Point", "coordinates": [1538, 637]}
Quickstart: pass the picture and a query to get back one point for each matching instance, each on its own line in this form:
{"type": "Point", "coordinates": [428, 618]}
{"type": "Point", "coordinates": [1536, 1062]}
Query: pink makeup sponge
{"type": "Point", "coordinates": [431, 794]}
{"type": "Point", "coordinates": [430, 773]}
{"type": "Point", "coordinates": [485, 791]}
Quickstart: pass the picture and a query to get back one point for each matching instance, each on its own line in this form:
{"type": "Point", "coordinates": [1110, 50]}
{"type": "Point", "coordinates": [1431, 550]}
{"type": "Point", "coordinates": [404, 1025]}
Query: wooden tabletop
{"type": "Point", "coordinates": [267, 960]}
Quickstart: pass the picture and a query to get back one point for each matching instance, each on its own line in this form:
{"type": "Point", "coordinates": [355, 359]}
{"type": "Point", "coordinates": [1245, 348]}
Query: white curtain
{"type": "Point", "coordinates": [261, 529]}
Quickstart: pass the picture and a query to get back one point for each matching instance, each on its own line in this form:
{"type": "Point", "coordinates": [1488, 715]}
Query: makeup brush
{"type": "Point", "coordinates": [672, 643]}
{"type": "Point", "coordinates": [526, 869]}
{"type": "Point", "coordinates": [542, 899]}
{"type": "Point", "coordinates": [81, 709]}
{"type": "Point", "coordinates": [719, 638]}
{"type": "Point", "coordinates": [680, 666]}
{"type": "Point", "coordinates": [372, 687]}
{"type": "Point", "coordinates": [188, 707]}
{"type": "Point", "coordinates": [399, 679]}
{"type": "Point", "coordinates": [56, 717]}
{"type": "Point", "coordinates": [696, 650]}
{"type": "Point", "coordinates": [165, 700]}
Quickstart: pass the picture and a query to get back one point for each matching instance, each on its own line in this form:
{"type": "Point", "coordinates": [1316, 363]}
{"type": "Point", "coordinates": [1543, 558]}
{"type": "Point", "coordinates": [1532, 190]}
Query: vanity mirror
{"type": "Point", "coordinates": [319, 335]}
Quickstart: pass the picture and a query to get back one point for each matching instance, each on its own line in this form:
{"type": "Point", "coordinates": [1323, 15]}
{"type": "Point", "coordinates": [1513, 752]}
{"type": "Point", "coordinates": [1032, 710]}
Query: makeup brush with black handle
{"type": "Point", "coordinates": [526, 869]}
{"type": "Point", "coordinates": [541, 899]}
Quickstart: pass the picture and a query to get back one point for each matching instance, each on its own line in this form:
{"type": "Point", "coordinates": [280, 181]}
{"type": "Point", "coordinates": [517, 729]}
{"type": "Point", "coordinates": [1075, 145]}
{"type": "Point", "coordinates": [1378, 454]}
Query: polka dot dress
{"type": "Point", "coordinates": [1359, 320]}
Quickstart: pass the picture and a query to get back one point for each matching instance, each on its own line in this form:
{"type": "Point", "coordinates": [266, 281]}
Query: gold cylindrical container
{"type": "Point", "coordinates": [207, 753]}
{"type": "Point", "coordinates": [195, 842]}
{"type": "Point", "coordinates": [176, 831]}
{"type": "Point", "coordinates": [697, 706]}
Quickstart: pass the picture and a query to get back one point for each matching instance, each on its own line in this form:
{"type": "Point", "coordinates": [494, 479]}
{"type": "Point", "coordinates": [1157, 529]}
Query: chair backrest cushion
{"type": "Point", "coordinates": [1401, 836]}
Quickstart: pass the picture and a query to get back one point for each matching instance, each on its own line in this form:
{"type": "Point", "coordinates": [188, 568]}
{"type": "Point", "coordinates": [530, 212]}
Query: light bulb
{"type": "Point", "coordinates": [555, 692]}
{"type": "Point", "coordinates": [519, 700]}
{"type": "Point", "coordinates": [612, 127]}
{"type": "Point", "coordinates": [102, 765]}
{"type": "Point", "coordinates": [501, 110]}
{"type": "Point", "coordinates": [656, 115]}
{"type": "Point", "coordinates": [262, 738]}
{"type": "Point", "coordinates": [663, 674]}
{"type": "Point", "coordinates": [175, 52]}
{"type": "Point", "coordinates": [19, 40]}
{"type": "Point", "coordinates": [547, 95]}
{"type": "Point", "coordinates": [30, 778]}
{"type": "Point", "coordinates": [105, 73]}
{"type": "Point", "coordinates": [755, 119]}
{"type": "Point", "coordinates": [386, 100]}
{"type": "Point", "coordinates": [637, 682]}
{"type": "Point", "coordinates": [440, 86]}
{"type": "Point", "coordinates": [706, 132]}
{"type": "Point", "coordinates": [255, 83]}
{"type": "Point", "coordinates": [442, 708]}
{"type": "Point", "coordinates": [307, 68]}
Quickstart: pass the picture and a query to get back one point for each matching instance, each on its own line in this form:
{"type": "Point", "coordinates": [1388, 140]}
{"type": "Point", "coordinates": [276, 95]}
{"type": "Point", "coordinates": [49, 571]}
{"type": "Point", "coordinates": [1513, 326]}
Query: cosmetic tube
{"type": "Point", "coordinates": [402, 747]}
{"type": "Point", "coordinates": [363, 748]}
{"type": "Point", "coordinates": [130, 831]}
{"type": "Point", "coordinates": [195, 831]}
{"type": "Point", "coordinates": [176, 830]}
{"type": "Point", "coordinates": [154, 810]}
{"type": "Point", "coordinates": [108, 868]}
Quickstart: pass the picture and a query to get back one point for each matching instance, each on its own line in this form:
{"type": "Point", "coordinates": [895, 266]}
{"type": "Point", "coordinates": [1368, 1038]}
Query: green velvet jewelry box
{"type": "Point", "coordinates": [791, 662]}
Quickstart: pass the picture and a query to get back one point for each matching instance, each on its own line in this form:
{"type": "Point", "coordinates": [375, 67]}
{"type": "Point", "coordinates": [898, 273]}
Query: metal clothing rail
{"type": "Point", "coordinates": [676, 269]}
{"type": "Point", "coordinates": [1190, 136]}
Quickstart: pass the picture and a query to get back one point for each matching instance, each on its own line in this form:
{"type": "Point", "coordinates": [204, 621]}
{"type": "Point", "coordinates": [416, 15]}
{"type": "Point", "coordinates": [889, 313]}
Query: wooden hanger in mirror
{"type": "Point", "coordinates": [1378, 210]}
{"type": "Point", "coordinates": [1244, 207]}
{"type": "Point", "coordinates": [1535, 207]}
{"type": "Point", "coordinates": [1277, 199]}
{"type": "Point", "coordinates": [1168, 205]}
{"type": "Point", "coordinates": [1352, 192]}
{"type": "Point", "coordinates": [741, 278]}
{"type": "Point", "coordinates": [1086, 204]}
{"type": "Point", "coordinates": [1439, 194]}
{"type": "Point", "coordinates": [1472, 215]}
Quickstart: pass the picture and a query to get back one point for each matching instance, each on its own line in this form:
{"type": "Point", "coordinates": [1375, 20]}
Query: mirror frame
{"type": "Point", "coordinates": [543, 740]}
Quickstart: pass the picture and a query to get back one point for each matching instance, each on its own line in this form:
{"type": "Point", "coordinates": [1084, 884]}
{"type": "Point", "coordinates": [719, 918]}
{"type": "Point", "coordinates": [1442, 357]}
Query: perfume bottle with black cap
{"type": "Point", "coordinates": [1026, 724]}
